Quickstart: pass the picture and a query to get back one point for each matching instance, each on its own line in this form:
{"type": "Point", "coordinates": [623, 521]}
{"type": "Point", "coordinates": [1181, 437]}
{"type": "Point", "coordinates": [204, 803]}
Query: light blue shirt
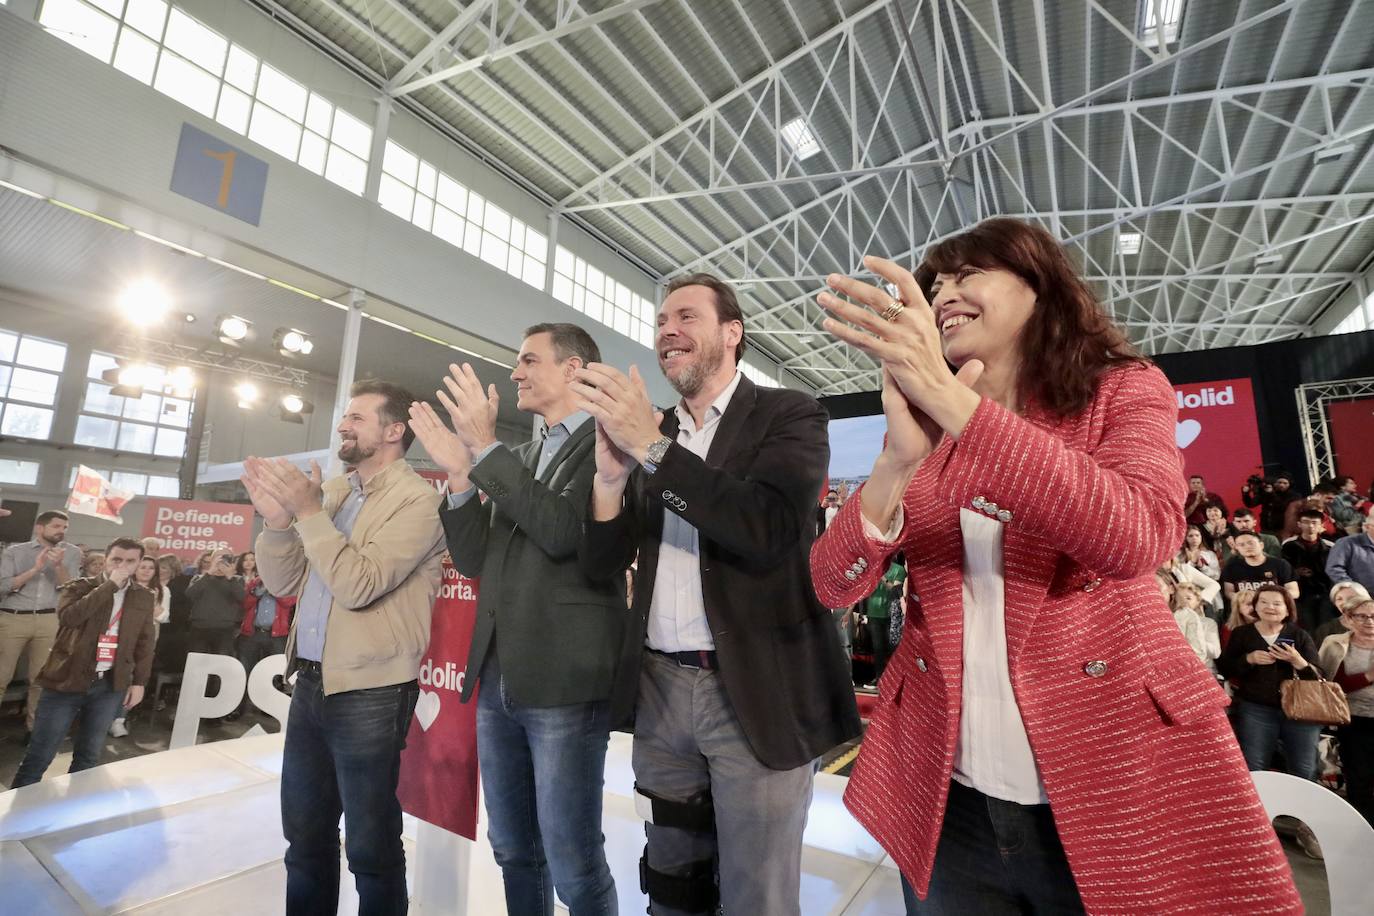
{"type": "Point", "coordinates": [312, 611]}
{"type": "Point", "coordinates": [554, 438]}
{"type": "Point", "coordinates": [267, 608]}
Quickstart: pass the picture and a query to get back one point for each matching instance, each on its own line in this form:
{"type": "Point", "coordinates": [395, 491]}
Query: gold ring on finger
{"type": "Point", "coordinates": [896, 308]}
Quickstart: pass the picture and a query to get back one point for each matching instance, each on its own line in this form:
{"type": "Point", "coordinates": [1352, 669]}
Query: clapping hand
{"type": "Point", "coordinates": [443, 446]}
{"type": "Point", "coordinates": [293, 493]}
{"type": "Point", "coordinates": [472, 411]}
{"type": "Point", "coordinates": [620, 405]}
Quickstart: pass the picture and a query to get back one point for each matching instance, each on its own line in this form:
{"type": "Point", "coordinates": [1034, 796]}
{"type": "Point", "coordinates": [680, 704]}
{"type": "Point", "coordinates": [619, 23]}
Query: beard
{"type": "Point", "coordinates": [691, 378]}
{"type": "Point", "coordinates": [351, 453]}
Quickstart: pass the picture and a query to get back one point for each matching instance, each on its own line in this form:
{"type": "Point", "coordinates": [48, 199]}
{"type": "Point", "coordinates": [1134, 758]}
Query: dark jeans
{"type": "Point", "coordinates": [882, 648]}
{"type": "Point", "coordinates": [343, 756]}
{"type": "Point", "coordinates": [543, 771]}
{"type": "Point", "coordinates": [1260, 728]}
{"type": "Point", "coordinates": [253, 649]}
{"type": "Point", "coordinates": [57, 709]}
{"type": "Point", "coordinates": [994, 857]}
{"type": "Point", "coordinates": [1357, 760]}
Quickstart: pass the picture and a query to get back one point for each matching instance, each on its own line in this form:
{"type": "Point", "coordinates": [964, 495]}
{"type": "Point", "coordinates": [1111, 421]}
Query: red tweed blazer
{"type": "Point", "coordinates": [1153, 803]}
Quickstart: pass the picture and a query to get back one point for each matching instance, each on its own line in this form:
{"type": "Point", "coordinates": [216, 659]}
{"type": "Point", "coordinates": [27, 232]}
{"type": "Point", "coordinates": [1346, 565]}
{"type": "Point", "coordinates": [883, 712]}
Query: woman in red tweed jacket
{"type": "Point", "coordinates": [1044, 736]}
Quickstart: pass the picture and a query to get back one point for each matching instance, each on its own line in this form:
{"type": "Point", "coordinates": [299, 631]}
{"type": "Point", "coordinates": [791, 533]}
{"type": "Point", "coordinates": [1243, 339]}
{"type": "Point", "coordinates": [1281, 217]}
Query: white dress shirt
{"type": "Point", "coordinates": [993, 754]}
{"type": "Point", "coordinates": [677, 612]}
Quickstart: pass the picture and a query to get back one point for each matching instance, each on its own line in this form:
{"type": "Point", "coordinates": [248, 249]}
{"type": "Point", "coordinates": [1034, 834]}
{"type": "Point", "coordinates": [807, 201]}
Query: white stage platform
{"type": "Point", "coordinates": [197, 830]}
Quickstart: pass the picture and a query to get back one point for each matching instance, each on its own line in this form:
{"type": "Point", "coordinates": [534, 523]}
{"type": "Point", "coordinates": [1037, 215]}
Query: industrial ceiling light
{"type": "Point", "coordinates": [292, 407]}
{"type": "Point", "coordinates": [232, 330]}
{"type": "Point", "coordinates": [292, 342]}
{"type": "Point", "coordinates": [181, 381]}
{"type": "Point", "coordinates": [1128, 243]}
{"type": "Point", "coordinates": [247, 394]}
{"type": "Point", "coordinates": [800, 139]}
{"type": "Point", "coordinates": [144, 301]}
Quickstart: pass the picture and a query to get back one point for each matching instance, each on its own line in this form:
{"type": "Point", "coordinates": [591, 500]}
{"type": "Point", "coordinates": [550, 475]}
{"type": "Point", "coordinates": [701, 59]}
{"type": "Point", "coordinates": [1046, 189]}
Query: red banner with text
{"type": "Point", "coordinates": [189, 527]}
{"type": "Point", "coordinates": [439, 764]}
{"type": "Point", "coordinates": [1218, 435]}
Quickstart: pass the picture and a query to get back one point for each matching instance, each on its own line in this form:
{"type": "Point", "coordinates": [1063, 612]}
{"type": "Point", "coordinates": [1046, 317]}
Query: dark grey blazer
{"type": "Point", "coordinates": [559, 634]}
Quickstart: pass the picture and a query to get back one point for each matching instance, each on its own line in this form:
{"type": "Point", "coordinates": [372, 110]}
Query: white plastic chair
{"type": "Point", "coordinates": [1346, 839]}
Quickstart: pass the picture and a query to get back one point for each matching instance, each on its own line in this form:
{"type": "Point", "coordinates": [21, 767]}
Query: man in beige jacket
{"type": "Point", "coordinates": [362, 552]}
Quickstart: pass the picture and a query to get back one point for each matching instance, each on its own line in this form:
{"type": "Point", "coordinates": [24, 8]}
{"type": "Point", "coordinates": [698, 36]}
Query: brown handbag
{"type": "Point", "coordinates": [1321, 701]}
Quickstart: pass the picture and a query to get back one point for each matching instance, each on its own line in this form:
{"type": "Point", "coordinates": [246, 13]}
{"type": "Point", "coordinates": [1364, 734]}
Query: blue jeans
{"type": "Point", "coordinates": [1260, 728]}
{"type": "Point", "coordinates": [343, 756]}
{"type": "Point", "coordinates": [57, 709]}
{"type": "Point", "coordinates": [543, 772]}
{"type": "Point", "coordinates": [996, 857]}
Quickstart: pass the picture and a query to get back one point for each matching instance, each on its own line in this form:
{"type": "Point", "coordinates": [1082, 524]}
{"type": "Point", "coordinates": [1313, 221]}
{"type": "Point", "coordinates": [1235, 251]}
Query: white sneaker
{"type": "Point", "coordinates": [118, 729]}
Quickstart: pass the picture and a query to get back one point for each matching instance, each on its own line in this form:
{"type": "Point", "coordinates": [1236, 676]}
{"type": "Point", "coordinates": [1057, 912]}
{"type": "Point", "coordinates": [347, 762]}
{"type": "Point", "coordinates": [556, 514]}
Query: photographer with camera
{"type": "Point", "coordinates": [1271, 497]}
{"type": "Point", "coordinates": [216, 606]}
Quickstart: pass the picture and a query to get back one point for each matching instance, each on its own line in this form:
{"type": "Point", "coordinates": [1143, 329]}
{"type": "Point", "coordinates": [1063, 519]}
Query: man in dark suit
{"type": "Point", "coordinates": [548, 639]}
{"type": "Point", "coordinates": [741, 685]}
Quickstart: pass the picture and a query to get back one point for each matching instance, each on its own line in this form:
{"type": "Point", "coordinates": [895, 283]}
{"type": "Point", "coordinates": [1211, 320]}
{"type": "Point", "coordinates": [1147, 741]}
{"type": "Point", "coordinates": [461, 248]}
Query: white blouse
{"type": "Point", "coordinates": [993, 754]}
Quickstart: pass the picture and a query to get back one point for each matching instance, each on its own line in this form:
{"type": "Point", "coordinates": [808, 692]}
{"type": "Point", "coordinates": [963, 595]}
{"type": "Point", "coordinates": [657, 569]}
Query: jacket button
{"type": "Point", "coordinates": [1003, 515]}
{"type": "Point", "coordinates": [1092, 585]}
{"type": "Point", "coordinates": [1095, 669]}
{"type": "Point", "coordinates": [979, 502]}
{"type": "Point", "coordinates": [849, 574]}
{"type": "Point", "coordinates": [920, 663]}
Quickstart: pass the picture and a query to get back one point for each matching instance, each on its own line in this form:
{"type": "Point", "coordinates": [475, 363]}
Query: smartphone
{"type": "Point", "coordinates": [1285, 641]}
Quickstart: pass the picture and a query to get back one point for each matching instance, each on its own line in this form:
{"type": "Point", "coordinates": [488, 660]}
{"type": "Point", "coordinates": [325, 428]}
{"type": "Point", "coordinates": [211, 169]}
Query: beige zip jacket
{"type": "Point", "coordinates": [383, 577]}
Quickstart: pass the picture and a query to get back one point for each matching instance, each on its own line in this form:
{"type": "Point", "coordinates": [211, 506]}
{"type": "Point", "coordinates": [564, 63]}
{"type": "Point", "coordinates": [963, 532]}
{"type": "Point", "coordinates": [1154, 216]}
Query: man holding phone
{"type": "Point", "coordinates": [216, 606]}
{"type": "Point", "coordinates": [30, 575]}
{"type": "Point", "coordinates": [100, 663]}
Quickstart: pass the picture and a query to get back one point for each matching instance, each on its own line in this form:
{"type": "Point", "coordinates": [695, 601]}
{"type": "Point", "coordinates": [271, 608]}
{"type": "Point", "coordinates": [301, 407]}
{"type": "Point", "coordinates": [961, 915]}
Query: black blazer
{"type": "Point", "coordinates": [559, 632]}
{"type": "Point", "coordinates": [752, 502]}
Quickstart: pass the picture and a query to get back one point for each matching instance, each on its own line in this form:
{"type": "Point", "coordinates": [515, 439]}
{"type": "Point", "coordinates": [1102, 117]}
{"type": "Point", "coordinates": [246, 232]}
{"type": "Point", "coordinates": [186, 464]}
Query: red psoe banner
{"type": "Point", "coordinates": [189, 527]}
{"type": "Point", "coordinates": [1218, 435]}
{"type": "Point", "coordinates": [439, 764]}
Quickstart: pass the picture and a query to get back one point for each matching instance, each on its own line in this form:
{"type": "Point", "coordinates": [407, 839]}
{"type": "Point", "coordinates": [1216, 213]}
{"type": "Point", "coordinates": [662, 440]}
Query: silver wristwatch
{"type": "Point", "coordinates": [654, 454]}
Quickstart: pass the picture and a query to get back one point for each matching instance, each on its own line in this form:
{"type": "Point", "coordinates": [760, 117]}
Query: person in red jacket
{"type": "Point", "coordinates": [266, 621]}
{"type": "Point", "coordinates": [1044, 738]}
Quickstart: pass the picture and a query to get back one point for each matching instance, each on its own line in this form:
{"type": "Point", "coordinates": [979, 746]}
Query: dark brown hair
{"type": "Point", "coordinates": [49, 516]}
{"type": "Point", "coordinates": [1073, 339]}
{"type": "Point", "coordinates": [568, 340]}
{"type": "Point", "coordinates": [125, 544]}
{"type": "Point", "coordinates": [1279, 590]}
{"type": "Point", "coordinates": [395, 407]}
{"type": "Point", "coordinates": [727, 306]}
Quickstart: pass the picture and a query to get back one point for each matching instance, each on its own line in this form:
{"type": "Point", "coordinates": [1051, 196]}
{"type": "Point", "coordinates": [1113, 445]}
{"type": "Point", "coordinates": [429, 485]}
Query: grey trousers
{"type": "Point", "coordinates": [688, 738]}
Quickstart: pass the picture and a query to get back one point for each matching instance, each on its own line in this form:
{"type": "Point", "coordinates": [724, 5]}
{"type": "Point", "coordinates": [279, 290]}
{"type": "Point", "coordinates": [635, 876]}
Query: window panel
{"type": "Point", "coordinates": [8, 343]}
{"type": "Point", "coordinates": [170, 442]}
{"type": "Point", "coordinates": [494, 251]}
{"type": "Point", "coordinates": [128, 480]}
{"type": "Point", "coordinates": [533, 273]}
{"type": "Point", "coordinates": [135, 437]}
{"type": "Point", "coordinates": [395, 197]}
{"type": "Point", "coordinates": [562, 288]}
{"type": "Point", "coordinates": [136, 56]}
{"type": "Point", "coordinates": [159, 485]}
{"type": "Point", "coordinates": [241, 69]}
{"type": "Point", "coordinates": [195, 42]}
{"type": "Point", "coordinates": [563, 261]}
{"type": "Point", "coordinates": [314, 149]}
{"type": "Point", "coordinates": [5, 379]}
{"type": "Point", "coordinates": [100, 400]}
{"type": "Point", "coordinates": [595, 280]}
{"type": "Point", "coordinates": [428, 175]}
{"type": "Point", "coordinates": [274, 131]}
{"type": "Point", "coordinates": [41, 354]}
{"type": "Point", "coordinates": [175, 412]}
{"type": "Point", "coordinates": [282, 93]}
{"type": "Point", "coordinates": [452, 194]}
{"type": "Point", "coordinates": [345, 169]}
{"type": "Point", "coordinates": [475, 202]}
{"type": "Point", "coordinates": [472, 239]}
{"type": "Point", "coordinates": [424, 212]}
{"type": "Point", "coordinates": [147, 408]}
{"type": "Point", "coordinates": [401, 163]}
{"type": "Point", "coordinates": [36, 387]}
{"type": "Point", "coordinates": [26, 422]}
{"type": "Point", "coordinates": [234, 107]}
{"type": "Point", "coordinates": [113, 7]}
{"type": "Point", "coordinates": [148, 16]}
{"type": "Point", "coordinates": [536, 244]}
{"type": "Point", "coordinates": [23, 473]}
{"type": "Point", "coordinates": [318, 114]}
{"type": "Point", "coordinates": [352, 134]}
{"type": "Point", "coordinates": [99, 363]}
{"type": "Point", "coordinates": [497, 222]}
{"type": "Point", "coordinates": [81, 26]}
{"type": "Point", "coordinates": [187, 83]}
{"type": "Point", "coordinates": [449, 226]}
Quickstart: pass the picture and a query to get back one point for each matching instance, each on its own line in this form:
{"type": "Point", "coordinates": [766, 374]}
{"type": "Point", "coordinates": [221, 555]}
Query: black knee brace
{"type": "Point", "coordinates": [695, 890]}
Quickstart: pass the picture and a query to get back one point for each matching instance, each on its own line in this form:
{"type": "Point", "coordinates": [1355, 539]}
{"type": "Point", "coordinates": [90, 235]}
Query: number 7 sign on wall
{"type": "Point", "coordinates": [211, 172]}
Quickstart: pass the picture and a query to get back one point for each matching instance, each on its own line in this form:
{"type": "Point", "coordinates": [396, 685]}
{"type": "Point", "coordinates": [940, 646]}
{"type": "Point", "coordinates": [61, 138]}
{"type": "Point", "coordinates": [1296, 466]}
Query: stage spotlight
{"type": "Point", "coordinates": [291, 342]}
{"type": "Point", "coordinates": [247, 394]}
{"type": "Point", "coordinates": [182, 381]}
{"type": "Point", "coordinates": [144, 301]}
{"type": "Point", "coordinates": [232, 330]}
{"type": "Point", "coordinates": [292, 407]}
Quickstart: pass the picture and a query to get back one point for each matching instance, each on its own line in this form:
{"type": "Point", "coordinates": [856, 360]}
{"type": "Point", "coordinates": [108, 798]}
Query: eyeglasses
{"type": "Point", "coordinates": [1361, 618]}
